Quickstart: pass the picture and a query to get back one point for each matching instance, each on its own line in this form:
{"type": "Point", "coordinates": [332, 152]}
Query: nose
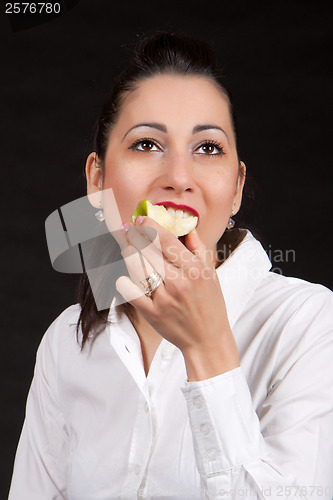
{"type": "Point", "coordinates": [177, 173]}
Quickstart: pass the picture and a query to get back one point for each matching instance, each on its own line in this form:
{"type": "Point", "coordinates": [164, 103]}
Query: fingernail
{"type": "Point", "coordinates": [125, 227]}
{"type": "Point", "coordinates": [139, 220]}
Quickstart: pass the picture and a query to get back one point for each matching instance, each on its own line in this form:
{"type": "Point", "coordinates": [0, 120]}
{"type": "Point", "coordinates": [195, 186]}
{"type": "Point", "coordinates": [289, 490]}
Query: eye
{"type": "Point", "coordinates": [210, 148]}
{"type": "Point", "coordinates": [146, 145]}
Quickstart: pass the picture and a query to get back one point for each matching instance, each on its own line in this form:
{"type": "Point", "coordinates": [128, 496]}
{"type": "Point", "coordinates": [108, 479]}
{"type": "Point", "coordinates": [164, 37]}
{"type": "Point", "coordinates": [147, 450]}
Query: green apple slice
{"type": "Point", "coordinates": [177, 222]}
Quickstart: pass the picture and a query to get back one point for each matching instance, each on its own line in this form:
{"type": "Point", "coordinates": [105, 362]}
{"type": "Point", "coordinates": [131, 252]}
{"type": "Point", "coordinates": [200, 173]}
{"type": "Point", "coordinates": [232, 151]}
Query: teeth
{"type": "Point", "coordinates": [179, 214]}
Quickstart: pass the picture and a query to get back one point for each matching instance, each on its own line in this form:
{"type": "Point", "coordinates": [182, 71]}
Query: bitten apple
{"type": "Point", "coordinates": [179, 222]}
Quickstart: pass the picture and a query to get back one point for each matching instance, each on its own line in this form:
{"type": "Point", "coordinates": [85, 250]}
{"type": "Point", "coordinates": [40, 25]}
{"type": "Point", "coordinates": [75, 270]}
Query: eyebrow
{"type": "Point", "coordinates": [200, 128]}
{"type": "Point", "coordinates": [162, 128]}
{"type": "Point", "coordinates": [157, 126]}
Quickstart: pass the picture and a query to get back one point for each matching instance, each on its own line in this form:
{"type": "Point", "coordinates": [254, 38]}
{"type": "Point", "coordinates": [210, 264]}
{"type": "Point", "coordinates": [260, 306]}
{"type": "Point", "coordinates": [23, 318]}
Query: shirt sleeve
{"type": "Point", "coordinates": [284, 449]}
{"type": "Point", "coordinates": [41, 458]}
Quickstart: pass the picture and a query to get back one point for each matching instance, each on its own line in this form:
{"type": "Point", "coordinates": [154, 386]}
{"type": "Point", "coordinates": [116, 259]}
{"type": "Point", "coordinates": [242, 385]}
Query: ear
{"type": "Point", "coordinates": [239, 187]}
{"type": "Point", "coordinates": [94, 180]}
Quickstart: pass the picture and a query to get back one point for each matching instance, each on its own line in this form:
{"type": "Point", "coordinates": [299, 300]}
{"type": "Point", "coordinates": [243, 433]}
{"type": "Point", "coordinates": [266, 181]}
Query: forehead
{"type": "Point", "coordinates": [177, 101]}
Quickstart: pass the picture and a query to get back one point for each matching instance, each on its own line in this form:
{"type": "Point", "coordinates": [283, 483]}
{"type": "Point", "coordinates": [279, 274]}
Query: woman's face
{"type": "Point", "coordinates": [173, 141]}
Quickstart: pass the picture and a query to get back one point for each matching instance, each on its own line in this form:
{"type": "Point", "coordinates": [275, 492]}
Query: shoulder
{"type": "Point", "coordinates": [69, 316]}
{"type": "Point", "coordinates": [62, 333]}
{"type": "Point", "coordinates": [66, 321]}
{"type": "Point", "coordinates": [61, 343]}
{"type": "Point", "coordinates": [293, 293]}
{"type": "Point", "coordinates": [298, 314]}
{"type": "Point", "coordinates": [289, 307]}
{"type": "Point", "coordinates": [288, 325]}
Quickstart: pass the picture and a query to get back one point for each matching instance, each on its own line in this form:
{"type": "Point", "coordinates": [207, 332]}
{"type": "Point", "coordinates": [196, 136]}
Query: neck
{"type": "Point", "coordinates": [150, 339]}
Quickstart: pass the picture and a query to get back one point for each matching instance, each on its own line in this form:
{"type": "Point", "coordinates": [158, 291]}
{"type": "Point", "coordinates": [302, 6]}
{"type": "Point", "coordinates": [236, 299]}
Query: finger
{"type": "Point", "coordinates": [138, 267]}
{"type": "Point", "coordinates": [197, 247]}
{"type": "Point", "coordinates": [148, 249]}
{"type": "Point", "coordinates": [172, 249]}
{"type": "Point", "coordinates": [133, 294]}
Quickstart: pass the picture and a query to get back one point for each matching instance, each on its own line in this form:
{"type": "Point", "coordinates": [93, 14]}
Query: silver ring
{"type": "Point", "coordinates": [151, 283]}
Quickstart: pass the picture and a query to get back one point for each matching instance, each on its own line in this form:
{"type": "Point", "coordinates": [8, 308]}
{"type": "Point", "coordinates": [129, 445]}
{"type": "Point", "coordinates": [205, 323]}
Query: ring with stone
{"type": "Point", "coordinates": [151, 283]}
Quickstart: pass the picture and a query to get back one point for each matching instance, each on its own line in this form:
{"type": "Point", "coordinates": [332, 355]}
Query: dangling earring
{"type": "Point", "coordinates": [100, 214]}
{"type": "Point", "coordinates": [231, 222]}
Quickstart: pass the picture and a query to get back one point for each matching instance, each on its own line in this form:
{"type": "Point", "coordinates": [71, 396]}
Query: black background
{"type": "Point", "coordinates": [55, 72]}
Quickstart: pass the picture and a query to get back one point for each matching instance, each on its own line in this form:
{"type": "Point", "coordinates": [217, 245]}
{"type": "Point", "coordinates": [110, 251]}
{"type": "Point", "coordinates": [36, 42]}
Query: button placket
{"type": "Point", "coordinates": [211, 454]}
{"type": "Point", "coordinates": [205, 429]}
{"type": "Point", "coordinates": [137, 469]}
{"type": "Point", "coordinates": [197, 402]}
{"type": "Point", "coordinates": [204, 433]}
{"type": "Point", "coordinates": [141, 445]}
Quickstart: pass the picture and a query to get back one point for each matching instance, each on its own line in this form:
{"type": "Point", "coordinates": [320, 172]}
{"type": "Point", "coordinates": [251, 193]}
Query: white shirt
{"type": "Point", "coordinates": [97, 428]}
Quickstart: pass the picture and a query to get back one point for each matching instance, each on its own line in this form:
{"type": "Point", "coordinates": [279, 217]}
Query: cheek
{"type": "Point", "coordinates": [221, 193]}
{"type": "Point", "coordinates": [219, 200]}
{"type": "Point", "coordinates": [126, 185]}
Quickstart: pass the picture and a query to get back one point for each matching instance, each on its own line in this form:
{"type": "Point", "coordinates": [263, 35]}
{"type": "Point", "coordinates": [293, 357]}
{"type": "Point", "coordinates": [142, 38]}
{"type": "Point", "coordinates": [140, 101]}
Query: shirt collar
{"type": "Point", "coordinates": [241, 273]}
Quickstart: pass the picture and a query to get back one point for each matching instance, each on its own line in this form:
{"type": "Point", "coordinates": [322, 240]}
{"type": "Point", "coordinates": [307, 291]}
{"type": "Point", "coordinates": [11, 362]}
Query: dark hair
{"type": "Point", "coordinates": [160, 53]}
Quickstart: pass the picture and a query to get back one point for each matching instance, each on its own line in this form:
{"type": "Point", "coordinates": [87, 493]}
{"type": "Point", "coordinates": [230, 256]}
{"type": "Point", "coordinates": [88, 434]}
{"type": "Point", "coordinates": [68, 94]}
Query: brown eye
{"type": "Point", "coordinates": [210, 148]}
{"type": "Point", "coordinates": [145, 145]}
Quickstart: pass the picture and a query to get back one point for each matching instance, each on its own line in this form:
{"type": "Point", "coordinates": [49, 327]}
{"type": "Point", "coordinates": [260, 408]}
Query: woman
{"type": "Point", "coordinates": [214, 378]}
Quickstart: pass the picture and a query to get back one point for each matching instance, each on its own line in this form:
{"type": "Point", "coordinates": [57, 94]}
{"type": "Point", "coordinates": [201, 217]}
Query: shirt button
{"type": "Point", "coordinates": [137, 469]}
{"type": "Point", "coordinates": [197, 402]}
{"type": "Point", "coordinates": [205, 429]}
{"type": "Point", "coordinates": [211, 455]}
{"type": "Point", "coordinates": [166, 353]}
{"type": "Point", "coordinates": [146, 407]}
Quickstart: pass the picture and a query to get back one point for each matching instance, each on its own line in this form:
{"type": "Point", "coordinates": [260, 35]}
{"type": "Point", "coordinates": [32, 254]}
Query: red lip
{"type": "Point", "coordinates": [178, 207]}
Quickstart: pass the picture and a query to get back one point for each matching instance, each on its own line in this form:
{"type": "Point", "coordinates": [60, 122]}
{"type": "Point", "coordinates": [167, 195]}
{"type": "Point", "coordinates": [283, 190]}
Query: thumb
{"type": "Point", "coordinates": [195, 245]}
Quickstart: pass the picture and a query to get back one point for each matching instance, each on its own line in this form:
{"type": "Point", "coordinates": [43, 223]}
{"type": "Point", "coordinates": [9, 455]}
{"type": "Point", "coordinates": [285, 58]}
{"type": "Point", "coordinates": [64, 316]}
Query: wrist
{"type": "Point", "coordinates": [204, 362]}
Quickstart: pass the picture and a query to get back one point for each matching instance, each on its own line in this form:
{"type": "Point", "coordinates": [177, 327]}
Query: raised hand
{"type": "Point", "coordinates": [188, 308]}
